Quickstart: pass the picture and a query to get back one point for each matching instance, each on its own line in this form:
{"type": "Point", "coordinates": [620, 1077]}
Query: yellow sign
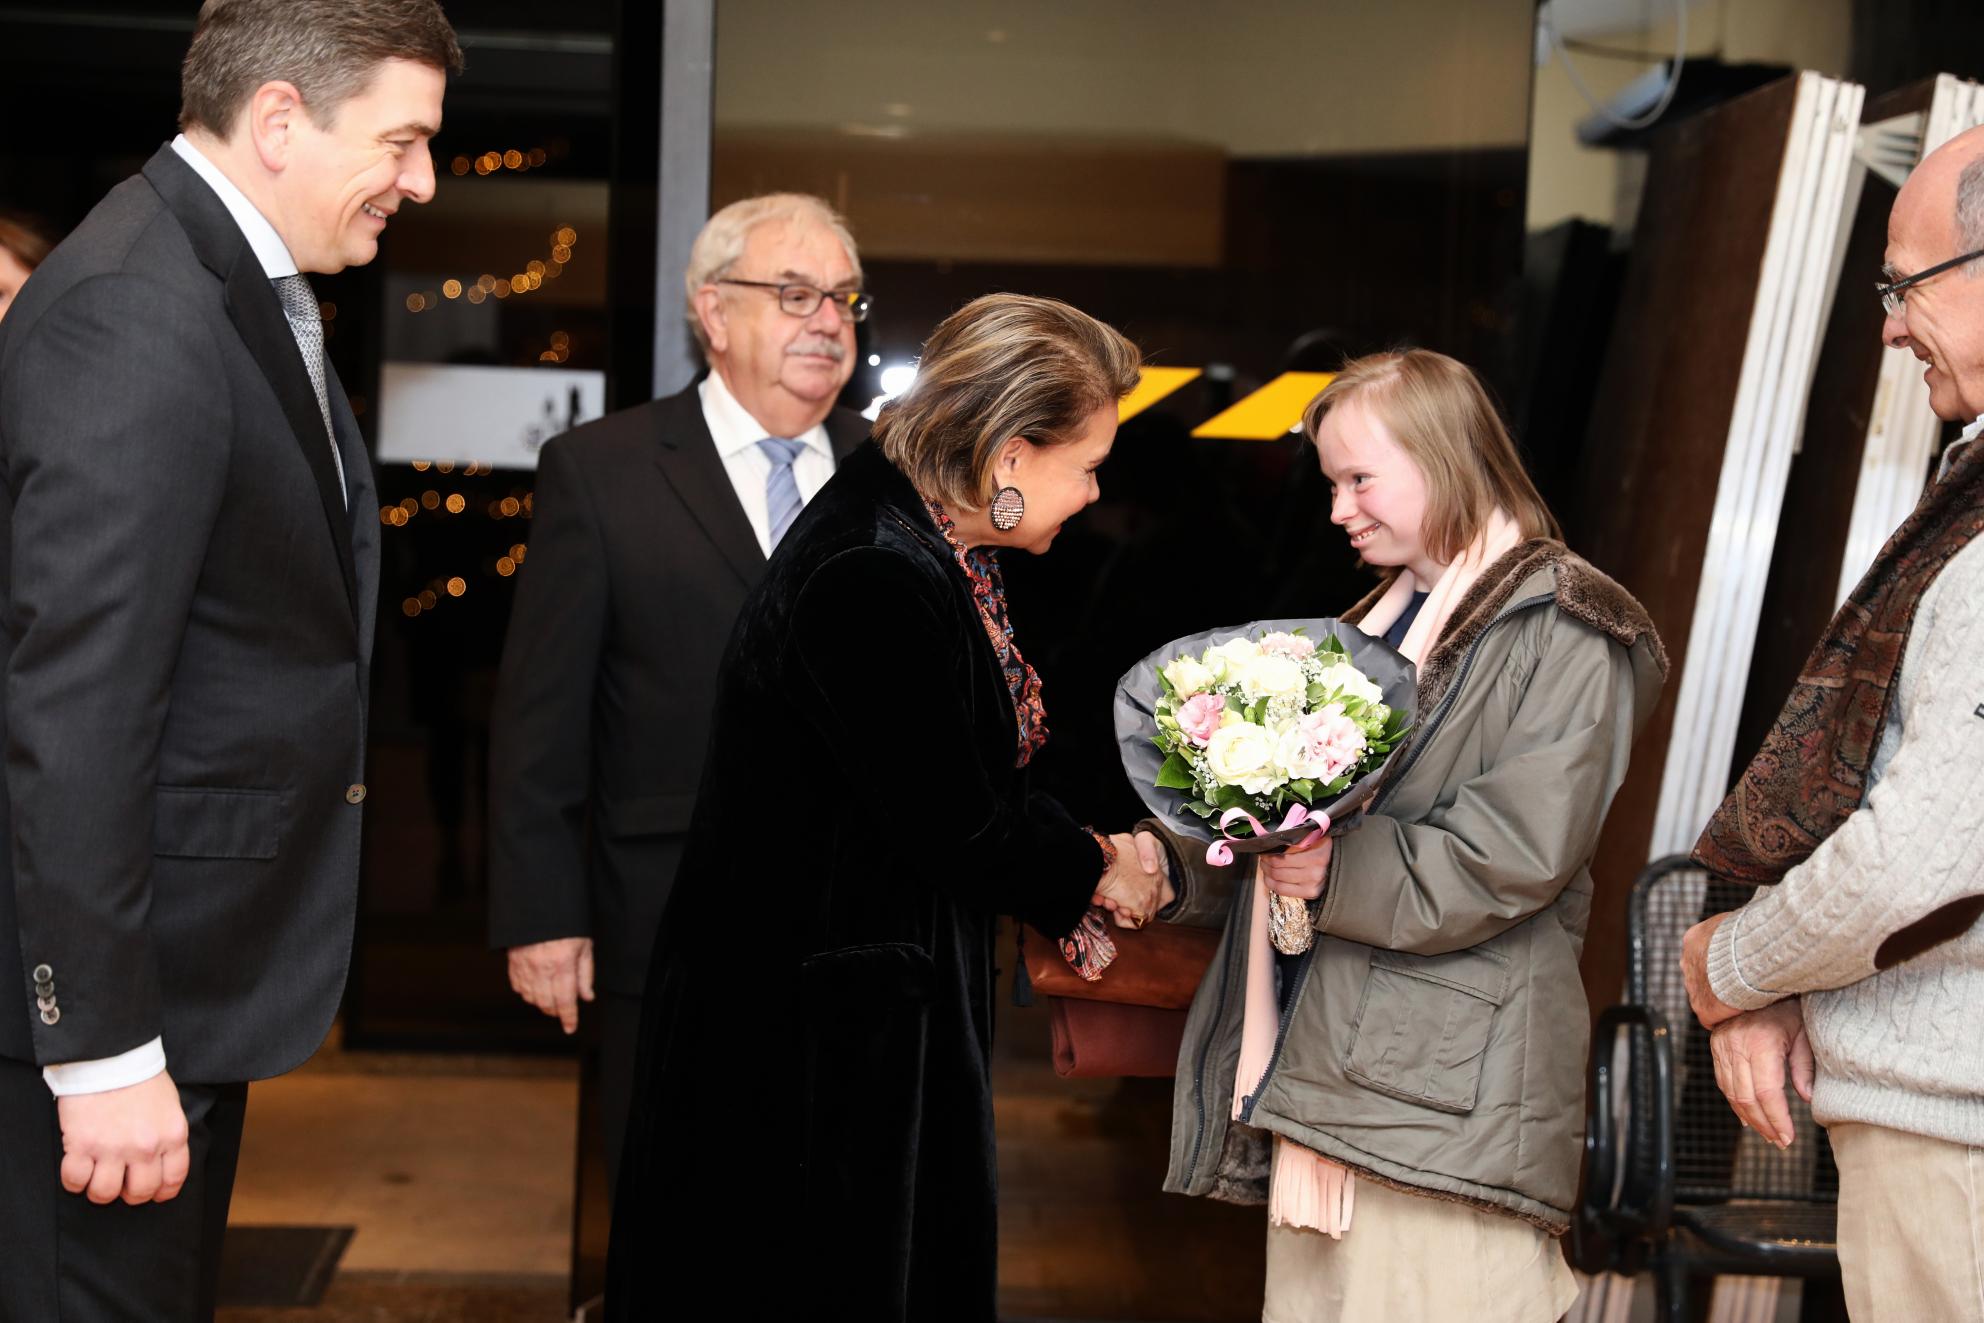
{"type": "Point", "coordinates": [1153, 384]}
{"type": "Point", "coordinates": [1272, 411]}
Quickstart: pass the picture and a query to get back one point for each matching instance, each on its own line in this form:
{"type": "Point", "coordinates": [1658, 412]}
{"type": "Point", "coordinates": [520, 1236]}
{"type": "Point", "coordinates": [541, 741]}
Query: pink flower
{"type": "Point", "coordinates": [1292, 646]}
{"type": "Point", "coordinates": [1199, 717]}
{"type": "Point", "coordinates": [1321, 746]}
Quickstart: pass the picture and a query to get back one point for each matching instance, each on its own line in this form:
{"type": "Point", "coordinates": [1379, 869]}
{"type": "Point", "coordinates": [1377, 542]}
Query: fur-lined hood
{"type": "Point", "coordinates": [1583, 593]}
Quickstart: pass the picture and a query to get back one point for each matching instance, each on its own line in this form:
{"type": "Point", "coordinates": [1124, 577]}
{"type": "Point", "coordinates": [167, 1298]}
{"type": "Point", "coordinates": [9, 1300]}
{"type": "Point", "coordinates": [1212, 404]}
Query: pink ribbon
{"type": "Point", "coordinates": [1219, 854]}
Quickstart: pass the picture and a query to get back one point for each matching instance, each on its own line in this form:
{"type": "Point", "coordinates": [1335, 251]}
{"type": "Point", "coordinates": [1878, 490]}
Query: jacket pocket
{"type": "Point", "coordinates": [196, 822]}
{"type": "Point", "coordinates": [647, 815]}
{"type": "Point", "coordinates": [1422, 1028]}
{"type": "Point", "coordinates": [861, 978]}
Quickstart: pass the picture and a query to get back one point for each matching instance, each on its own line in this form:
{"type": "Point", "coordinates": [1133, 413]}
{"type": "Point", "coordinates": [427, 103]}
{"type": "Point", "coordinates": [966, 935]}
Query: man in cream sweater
{"type": "Point", "coordinates": [1813, 977]}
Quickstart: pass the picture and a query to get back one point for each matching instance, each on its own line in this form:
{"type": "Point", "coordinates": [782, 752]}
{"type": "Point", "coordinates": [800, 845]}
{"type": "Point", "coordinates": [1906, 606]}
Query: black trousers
{"type": "Point", "coordinates": [619, 1044]}
{"type": "Point", "coordinates": [64, 1259]}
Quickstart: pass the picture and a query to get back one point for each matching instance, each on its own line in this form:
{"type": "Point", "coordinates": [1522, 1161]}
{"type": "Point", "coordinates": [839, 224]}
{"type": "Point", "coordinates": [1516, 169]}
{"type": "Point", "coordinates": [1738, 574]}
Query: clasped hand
{"type": "Point", "coordinates": [1137, 884]}
{"type": "Point", "coordinates": [1299, 872]}
{"type": "Point", "coordinates": [1756, 1052]}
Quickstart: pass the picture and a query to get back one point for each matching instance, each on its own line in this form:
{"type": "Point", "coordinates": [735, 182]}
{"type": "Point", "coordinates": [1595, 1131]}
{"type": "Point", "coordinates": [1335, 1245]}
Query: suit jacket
{"type": "Point", "coordinates": [640, 558]}
{"type": "Point", "coordinates": [188, 608]}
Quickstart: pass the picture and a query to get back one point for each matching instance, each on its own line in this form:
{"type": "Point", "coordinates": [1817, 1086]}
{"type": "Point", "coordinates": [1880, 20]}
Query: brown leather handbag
{"type": "Point", "coordinates": [1132, 1019]}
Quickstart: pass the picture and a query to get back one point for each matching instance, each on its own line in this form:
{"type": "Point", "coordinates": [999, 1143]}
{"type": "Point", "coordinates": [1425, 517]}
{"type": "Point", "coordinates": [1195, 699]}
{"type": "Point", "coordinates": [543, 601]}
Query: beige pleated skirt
{"type": "Point", "coordinates": [1409, 1258]}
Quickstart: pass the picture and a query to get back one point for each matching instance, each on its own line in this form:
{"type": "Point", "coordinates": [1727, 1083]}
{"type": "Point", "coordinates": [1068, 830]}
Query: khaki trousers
{"type": "Point", "coordinates": [1911, 1225]}
{"type": "Point", "coordinates": [1415, 1259]}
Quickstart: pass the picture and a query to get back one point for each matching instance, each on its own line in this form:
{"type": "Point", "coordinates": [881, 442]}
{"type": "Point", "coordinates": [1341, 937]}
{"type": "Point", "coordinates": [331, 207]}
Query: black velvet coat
{"type": "Point", "coordinates": [812, 1122]}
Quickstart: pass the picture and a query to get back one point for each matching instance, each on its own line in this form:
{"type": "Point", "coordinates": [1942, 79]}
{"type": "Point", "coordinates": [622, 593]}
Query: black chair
{"type": "Point", "coordinates": [1674, 1184]}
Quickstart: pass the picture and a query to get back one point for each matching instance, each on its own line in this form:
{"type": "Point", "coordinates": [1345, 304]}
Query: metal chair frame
{"type": "Point", "coordinates": [1649, 1204]}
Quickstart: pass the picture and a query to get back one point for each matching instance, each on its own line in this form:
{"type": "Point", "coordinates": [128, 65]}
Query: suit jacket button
{"type": "Point", "coordinates": [45, 1003]}
{"type": "Point", "coordinates": [355, 795]}
{"type": "Point", "coordinates": [42, 973]}
{"type": "Point", "coordinates": [51, 1015]}
{"type": "Point", "coordinates": [46, 989]}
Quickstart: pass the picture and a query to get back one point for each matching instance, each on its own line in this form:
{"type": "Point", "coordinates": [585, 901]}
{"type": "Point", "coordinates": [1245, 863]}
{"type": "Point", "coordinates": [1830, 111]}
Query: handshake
{"type": "Point", "coordinates": [1137, 883]}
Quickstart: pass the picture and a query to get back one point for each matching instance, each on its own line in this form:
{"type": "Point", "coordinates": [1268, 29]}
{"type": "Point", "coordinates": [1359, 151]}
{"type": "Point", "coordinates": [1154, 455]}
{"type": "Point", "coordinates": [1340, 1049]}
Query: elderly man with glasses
{"type": "Point", "coordinates": [650, 527]}
{"type": "Point", "coordinates": [1859, 975]}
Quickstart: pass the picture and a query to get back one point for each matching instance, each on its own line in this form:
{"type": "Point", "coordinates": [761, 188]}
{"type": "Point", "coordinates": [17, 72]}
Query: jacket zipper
{"type": "Point", "coordinates": [1199, 1072]}
{"type": "Point", "coordinates": [1440, 712]}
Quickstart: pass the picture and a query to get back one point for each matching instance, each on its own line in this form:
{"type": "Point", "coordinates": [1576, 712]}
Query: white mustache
{"type": "Point", "coordinates": [833, 349]}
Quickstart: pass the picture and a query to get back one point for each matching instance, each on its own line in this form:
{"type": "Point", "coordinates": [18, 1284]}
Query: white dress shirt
{"type": "Point", "coordinates": [269, 248]}
{"type": "Point", "coordinates": [148, 1059]}
{"type": "Point", "coordinates": [737, 434]}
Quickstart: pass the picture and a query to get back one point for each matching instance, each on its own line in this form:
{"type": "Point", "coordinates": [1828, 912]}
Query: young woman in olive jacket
{"type": "Point", "coordinates": [1427, 1058]}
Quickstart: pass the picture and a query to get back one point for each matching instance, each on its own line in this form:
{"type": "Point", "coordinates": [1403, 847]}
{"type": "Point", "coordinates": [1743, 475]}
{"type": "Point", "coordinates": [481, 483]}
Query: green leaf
{"type": "Point", "coordinates": [1305, 790]}
{"type": "Point", "coordinates": [1176, 774]}
{"type": "Point", "coordinates": [1165, 681]}
{"type": "Point", "coordinates": [1258, 711]}
{"type": "Point", "coordinates": [1201, 808]}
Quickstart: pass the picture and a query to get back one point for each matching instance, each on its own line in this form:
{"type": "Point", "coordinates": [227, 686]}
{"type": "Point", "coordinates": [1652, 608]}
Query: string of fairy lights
{"type": "Point", "coordinates": [491, 286]}
{"type": "Point", "coordinates": [432, 504]}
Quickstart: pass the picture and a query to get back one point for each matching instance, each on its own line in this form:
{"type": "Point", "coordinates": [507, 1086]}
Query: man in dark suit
{"type": "Point", "coordinates": [188, 570]}
{"type": "Point", "coordinates": [650, 527]}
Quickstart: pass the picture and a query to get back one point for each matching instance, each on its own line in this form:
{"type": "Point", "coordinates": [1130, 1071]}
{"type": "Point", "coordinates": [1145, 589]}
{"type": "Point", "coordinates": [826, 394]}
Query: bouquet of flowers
{"type": "Point", "coordinates": [1256, 737]}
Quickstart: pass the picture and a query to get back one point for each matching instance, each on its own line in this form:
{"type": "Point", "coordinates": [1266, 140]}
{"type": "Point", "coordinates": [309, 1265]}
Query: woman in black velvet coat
{"type": "Point", "coordinates": [812, 1121]}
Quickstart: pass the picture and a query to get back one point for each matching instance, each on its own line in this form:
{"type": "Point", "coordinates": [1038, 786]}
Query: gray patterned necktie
{"type": "Point", "coordinates": [299, 305]}
{"type": "Point", "coordinates": [781, 488]}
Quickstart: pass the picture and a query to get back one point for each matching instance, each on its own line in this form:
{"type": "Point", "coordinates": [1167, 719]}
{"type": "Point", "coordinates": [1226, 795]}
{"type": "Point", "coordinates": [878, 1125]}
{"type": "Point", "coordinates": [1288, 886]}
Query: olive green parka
{"type": "Point", "coordinates": [1434, 1037]}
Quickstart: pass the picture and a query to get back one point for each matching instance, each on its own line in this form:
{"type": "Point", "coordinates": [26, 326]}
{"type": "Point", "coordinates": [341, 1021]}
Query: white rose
{"type": "Point", "coordinates": [1346, 679]}
{"type": "Point", "coordinates": [1188, 677]}
{"type": "Point", "coordinates": [1269, 676]}
{"type": "Point", "coordinates": [1231, 657]}
{"type": "Point", "coordinates": [1293, 757]}
{"type": "Point", "coordinates": [1242, 755]}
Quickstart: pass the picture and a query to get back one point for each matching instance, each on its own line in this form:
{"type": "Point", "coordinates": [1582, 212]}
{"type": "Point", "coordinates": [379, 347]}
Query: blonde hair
{"type": "Point", "coordinates": [1002, 366]}
{"type": "Point", "coordinates": [721, 243]}
{"type": "Point", "coordinates": [1440, 415]}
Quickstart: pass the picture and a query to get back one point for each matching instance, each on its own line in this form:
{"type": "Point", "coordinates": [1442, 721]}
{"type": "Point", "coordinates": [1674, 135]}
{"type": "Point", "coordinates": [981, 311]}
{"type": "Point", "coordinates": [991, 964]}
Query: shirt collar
{"type": "Point", "coordinates": [269, 248]}
{"type": "Point", "coordinates": [1955, 448]}
{"type": "Point", "coordinates": [734, 429]}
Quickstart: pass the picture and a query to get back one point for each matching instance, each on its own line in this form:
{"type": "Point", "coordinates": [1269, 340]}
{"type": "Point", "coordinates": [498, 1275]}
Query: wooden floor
{"type": "Point", "coordinates": [1085, 1232]}
{"type": "Point", "coordinates": [456, 1172]}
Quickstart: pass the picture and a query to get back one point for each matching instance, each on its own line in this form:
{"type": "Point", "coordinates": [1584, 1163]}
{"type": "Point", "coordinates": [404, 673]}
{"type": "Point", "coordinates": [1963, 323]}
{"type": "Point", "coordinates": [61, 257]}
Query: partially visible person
{"type": "Point", "coordinates": [812, 1125]}
{"type": "Point", "coordinates": [22, 246]}
{"type": "Point", "coordinates": [651, 525]}
{"type": "Point", "coordinates": [1407, 1095]}
{"type": "Point", "coordinates": [188, 581]}
{"type": "Point", "coordinates": [1856, 979]}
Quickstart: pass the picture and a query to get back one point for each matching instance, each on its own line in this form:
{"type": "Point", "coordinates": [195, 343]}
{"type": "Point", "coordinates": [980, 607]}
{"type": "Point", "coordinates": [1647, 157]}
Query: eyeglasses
{"type": "Point", "coordinates": [1894, 295]}
{"type": "Point", "coordinates": [804, 300]}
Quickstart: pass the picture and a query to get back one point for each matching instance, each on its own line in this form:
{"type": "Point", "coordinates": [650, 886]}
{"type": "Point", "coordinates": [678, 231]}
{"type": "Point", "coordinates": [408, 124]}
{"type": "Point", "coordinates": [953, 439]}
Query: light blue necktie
{"type": "Point", "coordinates": [781, 488]}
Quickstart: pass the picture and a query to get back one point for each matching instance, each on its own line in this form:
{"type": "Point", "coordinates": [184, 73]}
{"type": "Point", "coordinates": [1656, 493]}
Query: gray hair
{"type": "Point", "coordinates": [721, 243]}
{"type": "Point", "coordinates": [1970, 213]}
{"type": "Point", "coordinates": [329, 49]}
